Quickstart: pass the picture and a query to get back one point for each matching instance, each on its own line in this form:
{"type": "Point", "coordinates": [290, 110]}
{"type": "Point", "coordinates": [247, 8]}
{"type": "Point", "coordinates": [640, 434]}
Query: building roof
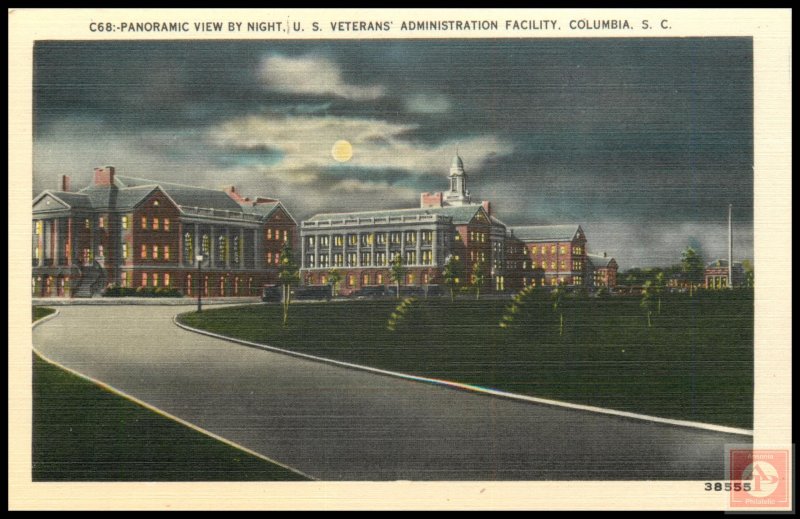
{"type": "Point", "coordinates": [188, 196]}
{"type": "Point", "coordinates": [599, 260]}
{"type": "Point", "coordinates": [722, 263]}
{"type": "Point", "coordinates": [546, 233]}
{"type": "Point", "coordinates": [127, 192]}
{"type": "Point", "coordinates": [74, 200]}
{"type": "Point", "coordinates": [460, 214]}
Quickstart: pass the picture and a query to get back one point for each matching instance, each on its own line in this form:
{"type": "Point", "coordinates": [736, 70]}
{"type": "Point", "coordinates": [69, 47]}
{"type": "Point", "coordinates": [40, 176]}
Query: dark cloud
{"type": "Point", "coordinates": [646, 138]}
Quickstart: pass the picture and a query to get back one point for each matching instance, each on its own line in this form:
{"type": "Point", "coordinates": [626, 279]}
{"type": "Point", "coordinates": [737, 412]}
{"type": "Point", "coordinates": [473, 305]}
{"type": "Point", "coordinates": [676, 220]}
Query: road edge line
{"type": "Point", "coordinates": [174, 418]}
{"type": "Point", "coordinates": [475, 389]}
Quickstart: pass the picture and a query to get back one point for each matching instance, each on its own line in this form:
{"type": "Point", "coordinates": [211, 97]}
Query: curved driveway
{"type": "Point", "coordinates": [335, 423]}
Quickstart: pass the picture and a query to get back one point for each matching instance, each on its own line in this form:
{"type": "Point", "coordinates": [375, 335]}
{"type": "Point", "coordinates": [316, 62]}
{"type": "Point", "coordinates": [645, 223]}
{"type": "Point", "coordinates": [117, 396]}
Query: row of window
{"type": "Point", "coordinates": [378, 278]}
{"type": "Point", "coordinates": [368, 239]}
{"type": "Point", "coordinates": [576, 251]}
{"type": "Point", "coordinates": [234, 246]}
{"type": "Point", "coordinates": [155, 223]}
{"type": "Point", "coordinates": [477, 236]}
{"type": "Point", "coordinates": [276, 234]}
{"type": "Point", "coordinates": [351, 259]}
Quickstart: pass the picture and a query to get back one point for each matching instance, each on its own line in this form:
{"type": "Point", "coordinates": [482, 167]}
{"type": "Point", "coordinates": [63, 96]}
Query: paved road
{"type": "Point", "coordinates": [339, 424]}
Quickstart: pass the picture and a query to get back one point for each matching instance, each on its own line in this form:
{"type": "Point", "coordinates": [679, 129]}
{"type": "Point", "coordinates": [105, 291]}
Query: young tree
{"type": "Point", "coordinates": [288, 274]}
{"type": "Point", "coordinates": [334, 278]}
{"type": "Point", "coordinates": [658, 288]}
{"type": "Point", "coordinates": [558, 298]}
{"type": "Point", "coordinates": [396, 272]}
{"type": "Point", "coordinates": [450, 274]}
{"type": "Point", "coordinates": [692, 265]}
{"type": "Point", "coordinates": [478, 277]}
{"type": "Point", "coordinates": [647, 301]}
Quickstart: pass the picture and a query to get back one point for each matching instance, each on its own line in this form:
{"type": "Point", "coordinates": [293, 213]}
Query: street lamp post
{"type": "Point", "coordinates": [200, 258]}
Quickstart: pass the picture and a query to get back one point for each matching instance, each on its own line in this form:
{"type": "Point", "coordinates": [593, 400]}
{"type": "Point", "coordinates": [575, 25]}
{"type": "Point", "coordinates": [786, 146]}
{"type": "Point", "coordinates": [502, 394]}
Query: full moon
{"type": "Point", "coordinates": [342, 151]}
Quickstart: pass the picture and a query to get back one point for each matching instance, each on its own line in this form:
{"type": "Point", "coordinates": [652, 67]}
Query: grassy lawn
{"type": "Point", "coordinates": [40, 311]}
{"type": "Point", "coordinates": [694, 363]}
{"type": "Point", "coordinates": [82, 432]}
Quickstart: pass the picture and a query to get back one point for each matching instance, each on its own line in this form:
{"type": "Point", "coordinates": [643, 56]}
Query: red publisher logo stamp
{"type": "Point", "coordinates": [763, 475]}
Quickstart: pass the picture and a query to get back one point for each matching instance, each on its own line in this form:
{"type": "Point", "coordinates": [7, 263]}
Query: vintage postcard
{"type": "Point", "coordinates": [400, 259]}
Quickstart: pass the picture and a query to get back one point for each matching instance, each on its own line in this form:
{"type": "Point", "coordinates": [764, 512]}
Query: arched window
{"type": "Point", "coordinates": [188, 248]}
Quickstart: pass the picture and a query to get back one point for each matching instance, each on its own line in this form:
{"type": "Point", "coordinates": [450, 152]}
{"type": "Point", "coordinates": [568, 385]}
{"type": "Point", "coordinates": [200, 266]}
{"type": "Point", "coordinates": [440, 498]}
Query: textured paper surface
{"type": "Point", "coordinates": [771, 33]}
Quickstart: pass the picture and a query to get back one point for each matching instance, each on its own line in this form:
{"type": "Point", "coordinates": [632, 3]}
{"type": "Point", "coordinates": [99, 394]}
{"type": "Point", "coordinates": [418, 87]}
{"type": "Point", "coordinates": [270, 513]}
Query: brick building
{"type": "Point", "coordinates": [362, 245]}
{"type": "Point", "coordinates": [603, 270]}
{"type": "Point", "coordinates": [716, 275]}
{"type": "Point", "coordinates": [555, 254]}
{"type": "Point", "coordinates": [135, 232]}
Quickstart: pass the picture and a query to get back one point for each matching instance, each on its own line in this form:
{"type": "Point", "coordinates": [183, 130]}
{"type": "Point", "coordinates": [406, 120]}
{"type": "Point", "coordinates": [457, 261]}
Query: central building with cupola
{"type": "Point", "coordinates": [362, 245]}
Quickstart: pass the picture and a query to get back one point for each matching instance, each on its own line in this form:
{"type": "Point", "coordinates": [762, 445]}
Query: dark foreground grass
{"type": "Point", "coordinates": [82, 432]}
{"type": "Point", "coordinates": [694, 363]}
{"type": "Point", "coordinates": [40, 311]}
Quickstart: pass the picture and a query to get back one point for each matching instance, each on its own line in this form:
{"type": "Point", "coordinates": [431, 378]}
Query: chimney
{"type": "Point", "coordinates": [730, 246]}
{"type": "Point", "coordinates": [104, 176]}
{"type": "Point", "coordinates": [231, 192]}
{"type": "Point", "coordinates": [487, 207]}
{"type": "Point", "coordinates": [430, 200]}
{"type": "Point", "coordinates": [65, 183]}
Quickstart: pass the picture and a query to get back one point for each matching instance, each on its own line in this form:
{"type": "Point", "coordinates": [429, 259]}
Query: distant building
{"type": "Point", "coordinates": [716, 275]}
{"type": "Point", "coordinates": [556, 254]}
{"type": "Point", "coordinates": [134, 232]}
{"type": "Point", "coordinates": [603, 270]}
{"type": "Point", "coordinates": [361, 245]}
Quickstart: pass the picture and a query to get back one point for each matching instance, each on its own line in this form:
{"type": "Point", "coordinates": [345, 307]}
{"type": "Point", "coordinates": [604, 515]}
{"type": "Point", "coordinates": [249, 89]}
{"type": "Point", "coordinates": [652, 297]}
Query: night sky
{"type": "Point", "coordinates": [644, 142]}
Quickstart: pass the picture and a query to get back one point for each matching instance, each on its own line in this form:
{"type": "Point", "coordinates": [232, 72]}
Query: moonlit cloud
{"type": "Point", "coordinates": [428, 104]}
{"type": "Point", "coordinates": [305, 143]}
{"type": "Point", "coordinates": [313, 75]}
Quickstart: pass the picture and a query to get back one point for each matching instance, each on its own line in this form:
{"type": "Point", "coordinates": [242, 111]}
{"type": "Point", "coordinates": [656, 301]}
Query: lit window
{"type": "Point", "coordinates": [155, 279]}
{"type": "Point", "coordinates": [310, 242]}
{"type": "Point", "coordinates": [366, 259]}
{"type": "Point", "coordinates": [285, 235]}
{"type": "Point", "coordinates": [124, 251]}
{"type": "Point", "coordinates": [155, 251]}
{"type": "Point", "coordinates": [323, 241]}
{"type": "Point", "coordinates": [101, 222]}
{"type": "Point", "coordinates": [379, 278]}
{"type": "Point", "coordinates": [166, 279]}
{"type": "Point", "coordinates": [483, 237]}
{"type": "Point", "coordinates": [457, 237]}
{"type": "Point", "coordinates": [155, 203]}
{"type": "Point", "coordinates": [155, 224]}
{"type": "Point", "coordinates": [563, 265]}
{"type": "Point", "coordinates": [351, 280]}
{"type": "Point", "coordinates": [552, 249]}
{"type": "Point", "coordinates": [395, 237]}
{"type": "Point", "coordinates": [166, 227]}
{"type": "Point", "coordinates": [427, 257]}
{"type": "Point", "coordinates": [166, 252]}
{"type": "Point", "coordinates": [310, 260]}
{"type": "Point", "coordinates": [365, 279]}
{"type": "Point", "coordinates": [144, 279]}
{"type": "Point", "coordinates": [411, 257]}
{"type": "Point", "coordinates": [544, 264]}
{"type": "Point", "coordinates": [338, 240]}
{"type": "Point", "coordinates": [553, 265]}
{"type": "Point", "coordinates": [323, 260]}
{"type": "Point", "coordinates": [100, 250]}
{"type": "Point", "coordinates": [188, 247]}
{"type": "Point", "coordinates": [456, 281]}
{"type": "Point", "coordinates": [563, 250]}
{"type": "Point", "coordinates": [269, 258]}
{"type": "Point", "coordinates": [124, 222]}
{"type": "Point", "coordinates": [352, 239]}
{"type": "Point", "coordinates": [338, 259]}
{"type": "Point", "coordinates": [206, 245]}
{"type": "Point", "coordinates": [269, 234]}
{"type": "Point", "coordinates": [144, 251]}
{"type": "Point", "coordinates": [380, 238]}
{"type": "Point", "coordinates": [533, 249]}
{"type": "Point", "coordinates": [277, 259]}
{"type": "Point", "coordinates": [87, 223]}
{"type": "Point", "coordinates": [410, 278]}
{"type": "Point", "coordinates": [425, 278]}
{"type": "Point", "coordinates": [144, 222]}
{"type": "Point", "coordinates": [351, 259]}
{"type": "Point", "coordinates": [380, 258]}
